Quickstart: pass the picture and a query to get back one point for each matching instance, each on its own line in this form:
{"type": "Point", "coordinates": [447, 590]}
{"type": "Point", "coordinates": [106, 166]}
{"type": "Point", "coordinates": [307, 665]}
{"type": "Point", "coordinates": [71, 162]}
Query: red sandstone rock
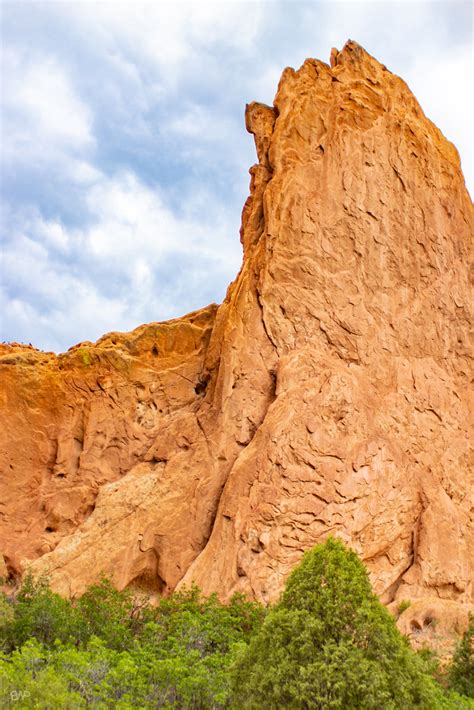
{"type": "Point", "coordinates": [328, 394]}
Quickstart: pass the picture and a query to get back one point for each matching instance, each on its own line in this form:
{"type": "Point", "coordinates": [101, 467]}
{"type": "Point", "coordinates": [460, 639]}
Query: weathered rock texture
{"type": "Point", "coordinates": [328, 394]}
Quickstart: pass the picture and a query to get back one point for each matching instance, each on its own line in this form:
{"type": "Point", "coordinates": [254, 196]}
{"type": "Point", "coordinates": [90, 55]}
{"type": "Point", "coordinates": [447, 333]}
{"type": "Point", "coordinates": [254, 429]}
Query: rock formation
{"type": "Point", "coordinates": [328, 394]}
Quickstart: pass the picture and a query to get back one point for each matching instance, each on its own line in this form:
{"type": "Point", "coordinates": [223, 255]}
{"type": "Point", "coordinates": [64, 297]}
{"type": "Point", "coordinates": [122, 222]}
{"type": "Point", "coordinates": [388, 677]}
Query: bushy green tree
{"type": "Point", "coordinates": [36, 612]}
{"type": "Point", "coordinates": [329, 643]}
{"type": "Point", "coordinates": [28, 680]}
{"type": "Point", "coordinates": [461, 672]}
{"type": "Point", "coordinates": [111, 615]}
{"type": "Point", "coordinates": [191, 643]}
{"type": "Point", "coordinates": [111, 650]}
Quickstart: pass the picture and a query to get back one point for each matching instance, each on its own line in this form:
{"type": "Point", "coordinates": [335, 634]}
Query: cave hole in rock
{"type": "Point", "coordinates": [201, 385]}
{"type": "Point", "coordinates": [49, 529]}
{"type": "Point", "coordinates": [155, 351]}
{"type": "Point", "coordinates": [148, 582]}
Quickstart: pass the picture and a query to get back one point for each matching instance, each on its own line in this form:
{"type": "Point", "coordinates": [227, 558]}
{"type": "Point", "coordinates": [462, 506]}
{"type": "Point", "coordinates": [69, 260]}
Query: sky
{"type": "Point", "coordinates": [124, 155]}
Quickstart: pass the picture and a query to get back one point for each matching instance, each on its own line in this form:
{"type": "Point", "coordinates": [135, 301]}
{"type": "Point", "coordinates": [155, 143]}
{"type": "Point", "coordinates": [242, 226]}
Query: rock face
{"type": "Point", "coordinates": [328, 394]}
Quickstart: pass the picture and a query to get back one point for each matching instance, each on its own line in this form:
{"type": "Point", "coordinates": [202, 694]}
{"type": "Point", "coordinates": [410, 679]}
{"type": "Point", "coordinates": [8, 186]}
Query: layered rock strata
{"type": "Point", "coordinates": [328, 394]}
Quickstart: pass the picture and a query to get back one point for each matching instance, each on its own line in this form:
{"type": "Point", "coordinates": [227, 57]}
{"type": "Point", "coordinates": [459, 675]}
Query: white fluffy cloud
{"type": "Point", "coordinates": [169, 34]}
{"type": "Point", "coordinates": [43, 116]}
{"type": "Point", "coordinates": [443, 86]}
{"type": "Point", "coordinates": [78, 282]}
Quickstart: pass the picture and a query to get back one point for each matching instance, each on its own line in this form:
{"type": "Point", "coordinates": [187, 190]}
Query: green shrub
{"type": "Point", "coordinates": [110, 649]}
{"type": "Point", "coordinates": [36, 612]}
{"type": "Point", "coordinates": [28, 680]}
{"type": "Point", "coordinates": [85, 356]}
{"type": "Point", "coordinates": [329, 643]}
{"type": "Point", "coordinates": [190, 644]}
{"type": "Point", "coordinates": [403, 606]}
{"type": "Point", "coordinates": [461, 671]}
{"type": "Point", "coordinates": [111, 615]}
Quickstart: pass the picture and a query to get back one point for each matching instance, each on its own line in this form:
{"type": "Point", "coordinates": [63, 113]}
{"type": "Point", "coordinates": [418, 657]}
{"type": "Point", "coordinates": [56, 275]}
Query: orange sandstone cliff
{"type": "Point", "coordinates": [328, 394]}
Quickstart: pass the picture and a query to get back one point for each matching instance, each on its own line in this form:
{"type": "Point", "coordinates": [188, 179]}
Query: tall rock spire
{"type": "Point", "coordinates": [326, 395]}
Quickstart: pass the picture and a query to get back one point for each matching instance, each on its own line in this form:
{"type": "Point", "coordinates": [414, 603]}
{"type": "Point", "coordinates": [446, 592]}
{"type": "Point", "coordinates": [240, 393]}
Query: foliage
{"type": "Point", "coordinates": [329, 643]}
{"type": "Point", "coordinates": [112, 649]}
{"type": "Point", "coordinates": [85, 356]}
{"type": "Point", "coordinates": [27, 680]}
{"type": "Point", "coordinates": [403, 606]}
{"type": "Point", "coordinates": [36, 612]}
{"type": "Point", "coordinates": [113, 616]}
{"type": "Point", "coordinates": [461, 672]}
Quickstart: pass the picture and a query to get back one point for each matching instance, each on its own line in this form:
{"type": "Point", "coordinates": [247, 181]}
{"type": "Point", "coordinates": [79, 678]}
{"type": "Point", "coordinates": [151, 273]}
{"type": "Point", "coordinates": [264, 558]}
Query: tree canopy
{"type": "Point", "coordinates": [330, 643]}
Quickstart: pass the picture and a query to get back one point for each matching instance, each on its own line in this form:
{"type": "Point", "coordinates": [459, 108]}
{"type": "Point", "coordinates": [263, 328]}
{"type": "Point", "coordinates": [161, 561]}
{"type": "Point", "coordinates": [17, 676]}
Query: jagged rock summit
{"type": "Point", "coordinates": [328, 394]}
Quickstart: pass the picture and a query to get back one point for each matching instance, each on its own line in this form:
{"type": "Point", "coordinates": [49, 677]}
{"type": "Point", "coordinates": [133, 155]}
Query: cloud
{"type": "Point", "coordinates": [43, 116]}
{"type": "Point", "coordinates": [135, 260]}
{"type": "Point", "coordinates": [454, 73]}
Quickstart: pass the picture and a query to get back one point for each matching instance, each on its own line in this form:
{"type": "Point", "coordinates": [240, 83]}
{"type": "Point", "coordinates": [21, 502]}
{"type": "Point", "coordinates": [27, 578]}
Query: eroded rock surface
{"type": "Point", "coordinates": [328, 394]}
